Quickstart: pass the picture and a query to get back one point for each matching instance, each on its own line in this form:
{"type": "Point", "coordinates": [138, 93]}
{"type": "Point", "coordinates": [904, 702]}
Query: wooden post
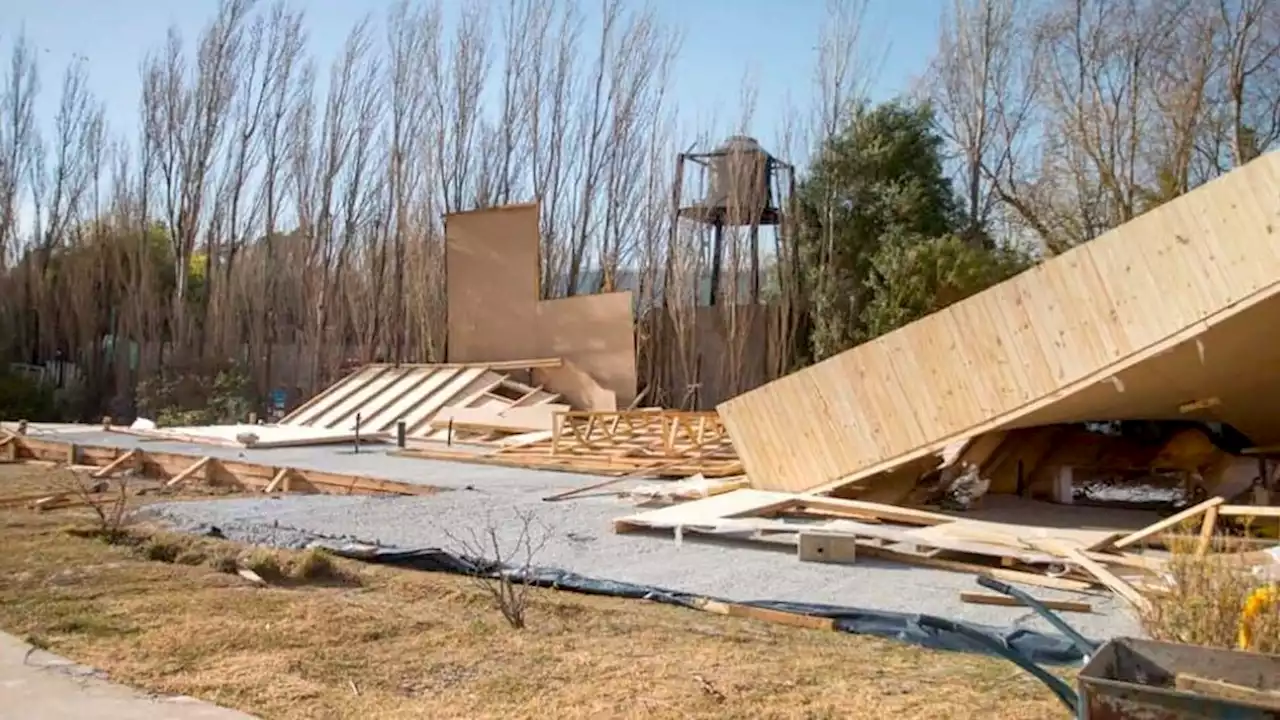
{"type": "Point", "coordinates": [400, 434]}
{"type": "Point", "coordinates": [106, 423]}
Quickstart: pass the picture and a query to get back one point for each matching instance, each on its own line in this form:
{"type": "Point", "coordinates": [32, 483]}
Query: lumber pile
{"type": "Point", "coordinates": [832, 530]}
{"type": "Point", "coordinates": [631, 443]}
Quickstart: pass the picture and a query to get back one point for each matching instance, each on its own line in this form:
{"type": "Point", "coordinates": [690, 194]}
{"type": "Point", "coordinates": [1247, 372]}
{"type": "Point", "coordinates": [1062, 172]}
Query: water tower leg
{"type": "Point", "coordinates": [717, 259]}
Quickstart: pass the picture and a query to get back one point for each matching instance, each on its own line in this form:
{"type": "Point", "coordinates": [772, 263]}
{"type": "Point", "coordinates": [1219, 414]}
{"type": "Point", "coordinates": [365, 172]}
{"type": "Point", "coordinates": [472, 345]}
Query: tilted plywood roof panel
{"type": "Point", "coordinates": [1164, 304]}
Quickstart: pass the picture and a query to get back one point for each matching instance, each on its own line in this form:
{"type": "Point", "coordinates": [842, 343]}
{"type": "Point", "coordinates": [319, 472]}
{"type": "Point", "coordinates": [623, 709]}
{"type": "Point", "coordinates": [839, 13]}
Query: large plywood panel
{"type": "Point", "coordinates": [597, 334]}
{"type": "Point", "coordinates": [491, 265]}
{"type": "Point", "coordinates": [1118, 306]}
{"type": "Point", "coordinates": [496, 314]}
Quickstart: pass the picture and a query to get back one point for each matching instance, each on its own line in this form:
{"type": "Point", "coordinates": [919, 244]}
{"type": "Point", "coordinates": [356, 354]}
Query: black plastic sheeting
{"type": "Point", "coordinates": [922, 630]}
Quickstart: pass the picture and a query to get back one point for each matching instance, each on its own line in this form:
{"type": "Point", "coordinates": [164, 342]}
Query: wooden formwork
{"type": "Point", "coordinates": [175, 468]}
{"type": "Point", "coordinates": [1156, 319]}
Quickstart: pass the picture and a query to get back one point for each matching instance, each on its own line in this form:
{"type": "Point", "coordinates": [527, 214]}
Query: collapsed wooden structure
{"type": "Point", "coordinates": [834, 530]}
{"type": "Point", "coordinates": [1156, 319]}
{"type": "Point", "coordinates": [632, 443]}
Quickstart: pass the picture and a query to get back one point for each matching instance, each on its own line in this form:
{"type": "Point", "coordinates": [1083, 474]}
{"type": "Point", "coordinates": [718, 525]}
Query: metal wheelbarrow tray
{"type": "Point", "coordinates": [1133, 679]}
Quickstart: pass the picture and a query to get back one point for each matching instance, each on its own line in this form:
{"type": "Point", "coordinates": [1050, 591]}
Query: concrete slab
{"type": "Point", "coordinates": [37, 685]}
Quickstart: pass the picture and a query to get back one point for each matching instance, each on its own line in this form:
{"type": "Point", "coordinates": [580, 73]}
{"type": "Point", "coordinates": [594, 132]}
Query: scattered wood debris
{"type": "Point", "coordinates": [834, 530]}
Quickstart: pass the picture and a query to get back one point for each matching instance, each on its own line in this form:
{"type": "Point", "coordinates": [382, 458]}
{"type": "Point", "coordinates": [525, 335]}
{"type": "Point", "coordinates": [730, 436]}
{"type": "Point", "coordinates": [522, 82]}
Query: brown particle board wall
{"type": "Point", "coordinates": [492, 265]}
{"type": "Point", "coordinates": [1170, 308]}
{"type": "Point", "coordinates": [597, 334]}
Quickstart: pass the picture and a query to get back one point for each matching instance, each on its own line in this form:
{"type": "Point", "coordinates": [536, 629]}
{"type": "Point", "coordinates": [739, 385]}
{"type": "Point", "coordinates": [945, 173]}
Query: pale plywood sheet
{"type": "Point", "coordinates": [710, 510]}
{"type": "Point", "coordinates": [500, 415]}
{"type": "Point", "coordinates": [309, 411]}
{"type": "Point", "coordinates": [425, 385]}
{"type": "Point", "coordinates": [1109, 307]}
{"type": "Point", "coordinates": [1008, 535]}
{"type": "Point", "coordinates": [384, 395]}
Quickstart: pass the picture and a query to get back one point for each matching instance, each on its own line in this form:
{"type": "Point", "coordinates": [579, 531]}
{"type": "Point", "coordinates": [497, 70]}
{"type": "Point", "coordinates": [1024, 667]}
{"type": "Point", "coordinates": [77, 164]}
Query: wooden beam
{"type": "Point", "coordinates": [191, 470]}
{"type": "Point", "coordinates": [1108, 578]}
{"type": "Point", "coordinates": [1206, 531]}
{"type": "Point", "coordinates": [1249, 511]}
{"type": "Point", "coordinates": [1224, 690]}
{"type": "Point", "coordinates": [812, 622]}
{"type": "Point", "coordinates": [978, 598]}
{"type": "Point", "coordinates": [278, 480]}
{"type": "Point", "coordinates": [1169, 522]}
{"type": "Point", "coordinates": [130, 458]}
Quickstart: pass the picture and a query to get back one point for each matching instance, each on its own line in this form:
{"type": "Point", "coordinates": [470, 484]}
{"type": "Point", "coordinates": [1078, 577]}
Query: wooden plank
{"type": "Point", "coordinates": [1167, 523]}
{"type": "Point", "coordinates": [189, 472]}
{"type": "Point", "coordinates": [891, 513]}
{"type": "Point", "coordinates": [1206, 531]}
{"type": "Point", "coordinates": [1108, 578]}
{"type": "Point", "coordinates": [126, 460]}
{"type": "Point", "coordinates": [978, 598]}
{"type": "Point", "coordinates": [1249, 511]}
{"type": "Point", "coordinates": [278, 481]}
{"type": "Point", "coordinates": [811, 622]}
{"type": "Point", "coordinates": [1224, 690]}
{"type": "Point", "coordinates": [1129, 560]}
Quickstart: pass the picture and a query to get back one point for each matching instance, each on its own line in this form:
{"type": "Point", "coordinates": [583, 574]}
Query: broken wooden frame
{"type": "Point", "coordinates": [632, 443]}
{"type": "Point", "coordinates": [174, 469]}
{"type": "Point", "coordinates": [833, 530]}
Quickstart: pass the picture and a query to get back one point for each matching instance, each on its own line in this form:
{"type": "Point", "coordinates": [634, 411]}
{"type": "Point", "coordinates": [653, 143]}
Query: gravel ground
{"type": "Point", "coordinates": [578, 537]}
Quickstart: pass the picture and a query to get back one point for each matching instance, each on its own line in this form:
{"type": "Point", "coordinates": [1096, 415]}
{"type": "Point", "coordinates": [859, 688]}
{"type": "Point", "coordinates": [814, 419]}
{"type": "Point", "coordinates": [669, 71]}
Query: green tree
{"type": "Point", "coordinates": [881, 230]}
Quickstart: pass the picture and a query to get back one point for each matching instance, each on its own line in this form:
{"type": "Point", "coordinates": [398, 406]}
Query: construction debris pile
{"type": "Point", "coordinates": [833, 530]}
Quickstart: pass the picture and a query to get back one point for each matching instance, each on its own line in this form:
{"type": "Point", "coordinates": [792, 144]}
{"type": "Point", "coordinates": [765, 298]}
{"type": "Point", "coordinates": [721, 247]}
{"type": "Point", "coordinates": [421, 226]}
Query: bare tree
{"type": "Point", "coordinates": [1250, 47]}
{"type": "Point", "coordinates": [982, 88]}
{"type": "Point", "coordinates": [501, 565]}
{"type": "Point", "coordinates": [18, 138]}
{"type": "Point", "coordinates": [186, 118]}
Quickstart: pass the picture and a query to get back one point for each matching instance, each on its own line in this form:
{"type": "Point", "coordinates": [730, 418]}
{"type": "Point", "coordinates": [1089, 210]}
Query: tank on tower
{"type": "Point", "coordinates": [740, 185]}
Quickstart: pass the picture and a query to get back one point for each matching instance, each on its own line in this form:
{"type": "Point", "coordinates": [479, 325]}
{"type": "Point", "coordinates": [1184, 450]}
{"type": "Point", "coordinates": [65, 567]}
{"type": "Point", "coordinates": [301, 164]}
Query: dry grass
{"type": "Point", "coordinates": [1207, 596]}
{"type": "Point", "coordinates": [402, 644]}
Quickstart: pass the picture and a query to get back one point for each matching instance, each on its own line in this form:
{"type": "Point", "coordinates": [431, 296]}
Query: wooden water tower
{"type": "Point", "coordinates": [746, 186]}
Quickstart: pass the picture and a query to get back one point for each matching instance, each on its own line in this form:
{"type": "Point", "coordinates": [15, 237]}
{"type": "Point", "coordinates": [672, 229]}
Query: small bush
{"type": "Point", "coordinates": [192, 555]}
{"type": "Point", "coordinates": [1206, 599]}
{"type": "Point", "coordinates": [161, 548]}
{"type": "Point", "coordinates": [315, 564]}
{"type": "Point", "coordinates": [23, 398]}
{"type": "Point", "coordinates": [265, 563]}
{"type": "Point", "coordinates": [223, 560]}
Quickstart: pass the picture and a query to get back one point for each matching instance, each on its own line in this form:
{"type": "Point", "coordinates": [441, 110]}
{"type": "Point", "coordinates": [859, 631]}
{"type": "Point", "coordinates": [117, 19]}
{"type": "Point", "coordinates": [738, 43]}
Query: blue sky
{"type": "Point", "coordinates": [773, 43]}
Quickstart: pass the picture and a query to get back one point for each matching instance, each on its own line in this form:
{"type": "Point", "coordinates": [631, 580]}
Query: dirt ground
{"type": "Point", "coordinates": [386, 643]}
